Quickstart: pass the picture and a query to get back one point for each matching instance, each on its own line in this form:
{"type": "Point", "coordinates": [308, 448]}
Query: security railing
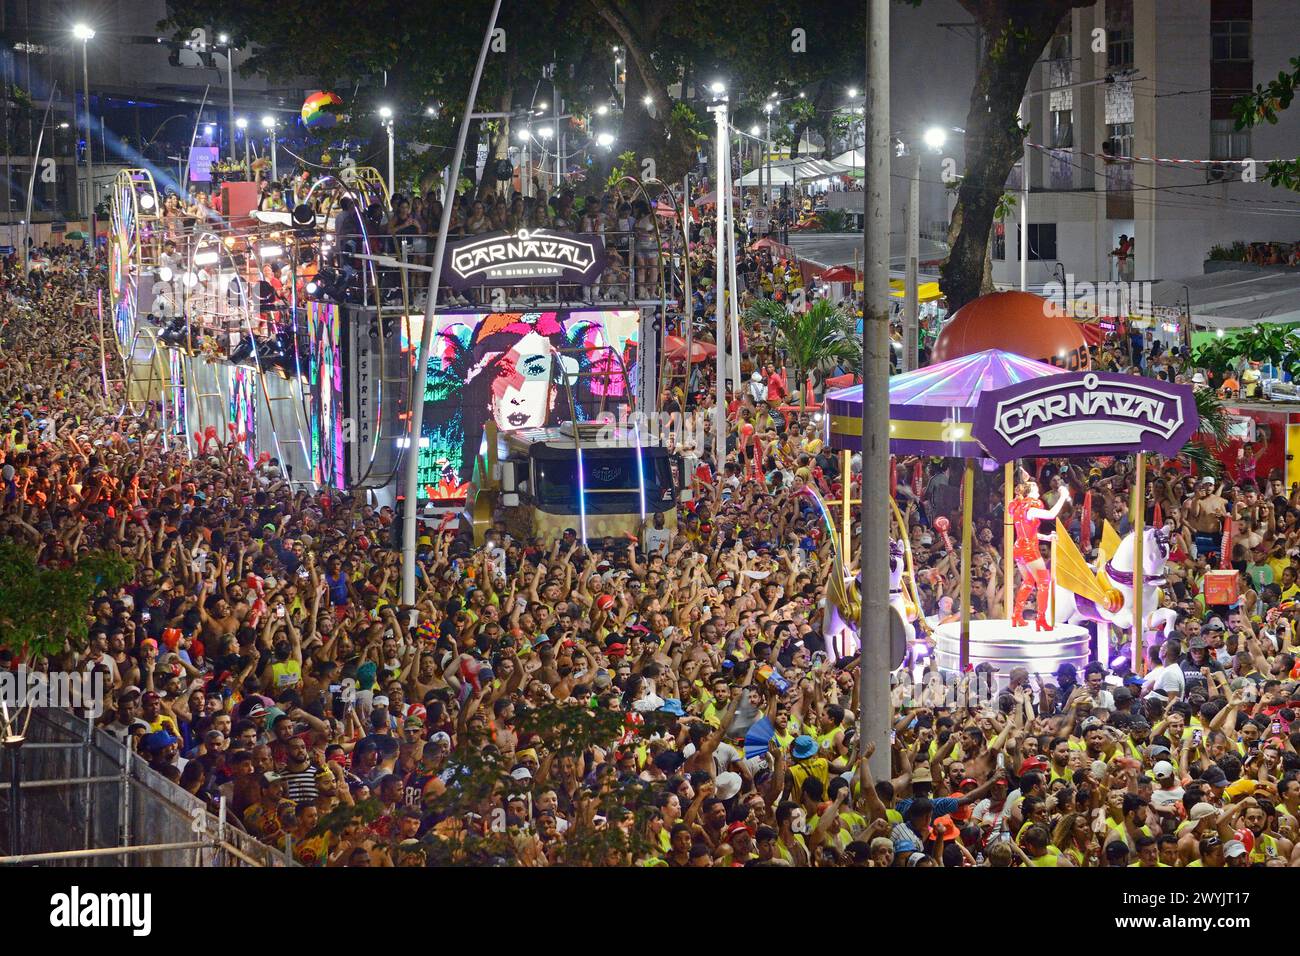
{"type": "Point", "coordinates": [84, 799]}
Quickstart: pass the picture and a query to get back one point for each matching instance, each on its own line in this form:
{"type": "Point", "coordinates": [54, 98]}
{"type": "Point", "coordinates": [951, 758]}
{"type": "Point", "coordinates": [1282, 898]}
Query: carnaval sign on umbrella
{"type": "Point", "coordinates": [1088, 413]}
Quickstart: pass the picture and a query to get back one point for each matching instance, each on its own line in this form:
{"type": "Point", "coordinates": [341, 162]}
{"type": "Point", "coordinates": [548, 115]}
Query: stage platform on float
{"type": "Point", "coordinates": [996, 642]}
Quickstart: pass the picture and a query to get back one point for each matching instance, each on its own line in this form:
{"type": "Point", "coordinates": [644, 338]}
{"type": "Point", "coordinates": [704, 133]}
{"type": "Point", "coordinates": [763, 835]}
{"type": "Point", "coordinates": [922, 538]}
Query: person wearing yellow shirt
{"type": "Point", "coordinates": [1148, 853]}
{"type": "Point", "coordinates": [1039, 851]}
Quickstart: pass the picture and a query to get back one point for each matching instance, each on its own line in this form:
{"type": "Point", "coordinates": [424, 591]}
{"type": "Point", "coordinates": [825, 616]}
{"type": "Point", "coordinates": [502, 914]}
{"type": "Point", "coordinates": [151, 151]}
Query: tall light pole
{"type": "Point", "coordinates": [268, 124]}
{"type": "Point", "coordinates": [412, 463]}
{"type": "Point", "coordinates": [874, 626]}
{"type": "Point", "coordinates": [386, 114]}
{"type": "Point", "coordinates": [719, 111]}
{"type": "Point", "coordinates": [230, 89]}
{"type": "Point", "coordinates": [241, 124]}
{"type": "Point", "coordinates": [85, 34]}
{"type": "Point", "coordinates": [765, 183]}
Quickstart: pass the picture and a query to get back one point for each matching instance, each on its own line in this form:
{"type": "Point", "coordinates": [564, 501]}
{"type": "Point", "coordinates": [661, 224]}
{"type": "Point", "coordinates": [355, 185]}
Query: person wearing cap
{"type": "Point", "coordinates": [1235, 854]}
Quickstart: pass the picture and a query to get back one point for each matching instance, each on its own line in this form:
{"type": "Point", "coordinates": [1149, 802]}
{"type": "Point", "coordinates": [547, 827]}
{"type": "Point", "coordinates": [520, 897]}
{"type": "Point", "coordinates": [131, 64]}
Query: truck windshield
{"type": "Point", "coordinates": [609, 479]}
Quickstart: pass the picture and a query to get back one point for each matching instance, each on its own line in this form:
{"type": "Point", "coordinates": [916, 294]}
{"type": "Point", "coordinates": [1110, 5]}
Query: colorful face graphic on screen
{"type": "Point", "coordinates": [522, 396]}
{"type": "Point", "coordinates": [510, 368]}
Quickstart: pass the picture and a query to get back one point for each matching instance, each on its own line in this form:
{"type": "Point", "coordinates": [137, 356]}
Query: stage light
{"type": "Point", "coordinates": [270, 252]}
{"type": "Point", "coordinates": [191, 280]}
{"type": "Point", "coordinates": [165, 274]}
{"type": "Point", "coordinates": [209, 128]}
{"type": "Point", "coordinates": [313, 287]}
{"type": "Point", "coordinates": [303, 215]}
{"type": "Point", "coordinates": [146, 201]}
{"type": "Point", "coordinates": [243, 351]}
{"type": "Point", "coordinates": [206, 258]}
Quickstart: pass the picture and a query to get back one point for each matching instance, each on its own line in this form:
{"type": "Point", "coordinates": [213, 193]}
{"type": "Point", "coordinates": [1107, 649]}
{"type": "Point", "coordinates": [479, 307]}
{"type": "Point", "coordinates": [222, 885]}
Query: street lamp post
{"type": "Point", "coordinates": [85, 34]}
{"type": "Point", "coordinates": [386, 114]}
{"type": "Point", "coordinates": [719, 110]}
{"type": "Point", "coordinates": [874, 628]}
{"type": "Point", "coordinates": [268, 124]}
{"type": "Point", "coordinates": [230, 90]}
{"type": "Point", "coordinates": [241, 124]}
{"type": "Point", "coordinates": [411, 481]}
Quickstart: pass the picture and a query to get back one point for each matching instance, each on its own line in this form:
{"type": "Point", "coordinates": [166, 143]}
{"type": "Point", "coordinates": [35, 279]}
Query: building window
{"type": "Point", "coordinates": [1230, 40]}
{"type": "Point", "coordinates": [1042, 242]}
{"type": "Point", "coordinates": [999, 241]}
{"type": "Point", "coordinates": [1119, 139]}
{"type": "Point", "coordinates": [1060, 47]}
{"type": "Point", "coordinates": [1062, 129]}
{"type": "Point", "coordinates": [1119, 48]}
{"type": "Point", "coordinates": [1228, 142]}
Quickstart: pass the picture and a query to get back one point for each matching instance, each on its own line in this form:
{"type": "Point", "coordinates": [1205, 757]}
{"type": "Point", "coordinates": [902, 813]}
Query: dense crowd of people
{"type": "Point", "coordinates": [668, 701]}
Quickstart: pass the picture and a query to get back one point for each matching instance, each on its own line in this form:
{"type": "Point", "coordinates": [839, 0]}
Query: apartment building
{"type": "Point", "coordinates": [1152, 78]}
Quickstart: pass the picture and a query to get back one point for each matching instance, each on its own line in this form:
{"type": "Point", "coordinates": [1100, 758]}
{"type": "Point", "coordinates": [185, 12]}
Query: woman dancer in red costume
{"type": "Point", "coordinates": [1026, 510]}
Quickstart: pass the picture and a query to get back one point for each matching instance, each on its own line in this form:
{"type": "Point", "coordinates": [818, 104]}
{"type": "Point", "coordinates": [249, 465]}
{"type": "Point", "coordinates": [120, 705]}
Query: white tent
{"type": "Point", "coordinates": [788, 172]}
{"type": "Point", "coordinates": [773, 175]}
{"type": "Point", "coordinates": [853, 158]}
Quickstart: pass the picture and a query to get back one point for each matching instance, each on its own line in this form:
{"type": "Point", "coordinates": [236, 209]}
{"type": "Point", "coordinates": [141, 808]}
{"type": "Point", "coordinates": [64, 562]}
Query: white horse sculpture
{"type": "Point", "coordinates": [841, 635]}
{"type": "Point", "coordinates": [1075, 609]}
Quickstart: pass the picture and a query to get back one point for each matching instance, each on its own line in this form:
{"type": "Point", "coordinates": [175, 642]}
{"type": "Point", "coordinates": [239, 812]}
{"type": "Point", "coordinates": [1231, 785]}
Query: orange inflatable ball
{"type": "Point", "coordinates": [1018, 322]}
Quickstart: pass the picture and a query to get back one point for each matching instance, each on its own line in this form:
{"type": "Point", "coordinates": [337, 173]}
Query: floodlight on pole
{"type": "Point", "coordinates": [602, 110]}
{"type": "Point", "coordinates": [853, 92]}
{"type": "Point", "coordinates": [223, 38]}
{"type": "Point", "coordinates": [718, 87]}
{"type": "Point", "coordinates": [85, 34]}
{"type": "Point", "coordinates": [268, 123]}
{"type": "Point", "coordinates": [935, 137]}
{"type": "Point", "coordinates": [522, 136]}
{"type": "Point", "coordinates": [605, 139]}
{"type": "Point", "coordinates": [241, 123]}
{"type": "Point", "coordinates": [386, 112]}
{"type": "Point", "coordinates": [546, 132]}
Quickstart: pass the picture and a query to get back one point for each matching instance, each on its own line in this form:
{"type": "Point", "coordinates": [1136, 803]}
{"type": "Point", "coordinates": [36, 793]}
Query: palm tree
{"type": "Point", "coordinates": [822, 336]}
{"type": "Point", "coordinates": [1213, 431]}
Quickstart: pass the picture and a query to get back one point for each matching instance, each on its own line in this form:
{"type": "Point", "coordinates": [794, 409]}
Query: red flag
{"type": "Point", "coordinates": [1157, 519]}
{"type": "Point", "coordinates": [1085, 523]}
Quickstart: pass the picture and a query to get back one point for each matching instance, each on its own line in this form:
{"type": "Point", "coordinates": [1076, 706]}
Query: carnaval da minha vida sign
{"type": "Point", "coordinates": [525, 257]}
{"type": "Point", "coordinates": [1086, 413]}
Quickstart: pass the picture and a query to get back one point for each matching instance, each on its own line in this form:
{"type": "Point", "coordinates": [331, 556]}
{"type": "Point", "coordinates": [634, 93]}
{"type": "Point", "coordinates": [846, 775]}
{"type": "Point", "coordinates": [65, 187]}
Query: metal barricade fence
{"type": "Point", "coordinates": [86, 800]}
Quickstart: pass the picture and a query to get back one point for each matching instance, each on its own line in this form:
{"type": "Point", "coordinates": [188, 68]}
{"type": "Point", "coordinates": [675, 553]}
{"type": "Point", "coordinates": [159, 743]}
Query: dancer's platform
{"type": "Point", "coordinates": [996, 642]}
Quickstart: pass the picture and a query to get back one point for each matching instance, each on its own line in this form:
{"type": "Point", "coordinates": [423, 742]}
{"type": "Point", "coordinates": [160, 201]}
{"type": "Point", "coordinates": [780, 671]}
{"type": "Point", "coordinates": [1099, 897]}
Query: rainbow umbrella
{"type": "Point", "coordinates": [931, 410]}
